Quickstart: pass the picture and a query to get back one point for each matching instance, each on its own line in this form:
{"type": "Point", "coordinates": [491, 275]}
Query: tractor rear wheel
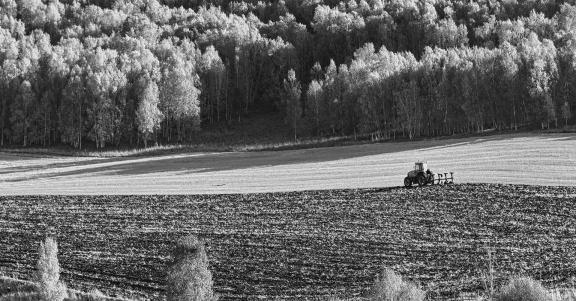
{"type": "Point", "coordinates": [407, 182]}
{"type": "Point", "coordinates": [422, 180]}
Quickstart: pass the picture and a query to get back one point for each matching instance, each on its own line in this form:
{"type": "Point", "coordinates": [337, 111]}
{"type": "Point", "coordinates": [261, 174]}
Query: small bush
{"type": "Point", "coordinates": [188, 276]}
{"type": "Point", "coordinates": [48, 272]}
{"type": "Point", "coordinates": [390, 287]}
{"type": "Point", "coordinates": [523, 289]}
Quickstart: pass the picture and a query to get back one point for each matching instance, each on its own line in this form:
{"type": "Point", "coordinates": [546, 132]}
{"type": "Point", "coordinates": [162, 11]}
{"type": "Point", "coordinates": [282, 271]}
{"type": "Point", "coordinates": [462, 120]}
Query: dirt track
{"type": "Point", "coordinates": [542, 159]}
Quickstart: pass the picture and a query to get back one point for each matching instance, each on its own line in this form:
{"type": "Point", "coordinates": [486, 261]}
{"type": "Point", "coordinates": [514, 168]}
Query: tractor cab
{"type": "Point", "coordinates": [420, 166]}
{"type": "Point", "coordinates": [419, 169]}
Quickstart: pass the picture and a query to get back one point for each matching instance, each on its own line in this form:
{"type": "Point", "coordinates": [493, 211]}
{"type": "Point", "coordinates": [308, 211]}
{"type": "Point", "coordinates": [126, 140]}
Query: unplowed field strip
{"type": "Point", "coordinates": [522, 158]}
{"type": "Point", "coordinates": [301, 245]}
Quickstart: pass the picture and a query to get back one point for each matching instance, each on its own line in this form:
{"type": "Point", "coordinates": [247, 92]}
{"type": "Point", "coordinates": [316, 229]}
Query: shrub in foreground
{"type": "Point", "coordinates": [523, 289]}
{"type": "Point", "coordinates": [189, 278]}
{"type": "Point", "coordinates": [48, 272]}
{"type": "Point", "coordinates": [390, 287]}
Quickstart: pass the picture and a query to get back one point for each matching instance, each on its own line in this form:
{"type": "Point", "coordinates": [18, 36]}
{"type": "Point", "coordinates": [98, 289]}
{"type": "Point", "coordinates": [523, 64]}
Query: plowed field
{"type": "Point", "coordinates": [301, 245]}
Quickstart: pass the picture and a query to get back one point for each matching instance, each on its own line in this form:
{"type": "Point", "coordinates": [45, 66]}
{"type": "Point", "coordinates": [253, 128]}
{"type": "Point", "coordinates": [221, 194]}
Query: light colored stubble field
{"type": "Point", "coordinates": [542, 159]}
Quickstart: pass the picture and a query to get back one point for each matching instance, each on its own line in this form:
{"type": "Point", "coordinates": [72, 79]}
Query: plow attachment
{"type": "Point", "coordinates": [441, 179]}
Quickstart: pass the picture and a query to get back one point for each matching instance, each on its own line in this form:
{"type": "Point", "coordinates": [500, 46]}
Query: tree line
{"type": "Point", "coordinates": [107, 73]}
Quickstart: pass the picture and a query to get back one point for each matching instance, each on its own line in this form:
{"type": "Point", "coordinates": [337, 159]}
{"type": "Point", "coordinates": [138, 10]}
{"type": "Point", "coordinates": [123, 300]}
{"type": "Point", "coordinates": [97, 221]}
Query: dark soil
{"type": "Point", "coordinates": [302, 245]}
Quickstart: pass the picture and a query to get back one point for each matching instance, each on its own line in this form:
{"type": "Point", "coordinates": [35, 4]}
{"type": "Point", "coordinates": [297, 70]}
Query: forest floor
{"type": "Point", "coordinates": [261, 132]}
{"type": "Point", "coordinates": [519, 158]}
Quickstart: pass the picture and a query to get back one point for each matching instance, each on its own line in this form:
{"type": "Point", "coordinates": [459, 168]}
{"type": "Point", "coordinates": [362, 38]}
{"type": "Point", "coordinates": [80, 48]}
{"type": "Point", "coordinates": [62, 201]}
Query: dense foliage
{"type": "Point", "coordinates": [129, 72]}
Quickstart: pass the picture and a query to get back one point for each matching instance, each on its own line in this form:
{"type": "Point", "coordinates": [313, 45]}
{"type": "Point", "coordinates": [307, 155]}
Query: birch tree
{"type": "Point", "coordinates": [291, 99]}
{"type": "Point", "coordinates": [148, 115]}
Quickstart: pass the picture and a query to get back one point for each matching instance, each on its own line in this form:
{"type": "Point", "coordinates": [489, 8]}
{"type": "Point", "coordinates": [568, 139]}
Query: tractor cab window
{"type": "Point", "coordinates": [420, 166]}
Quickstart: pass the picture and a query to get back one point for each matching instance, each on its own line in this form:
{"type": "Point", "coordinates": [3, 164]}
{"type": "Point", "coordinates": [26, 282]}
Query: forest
{"type": "Point", "coordinates": [105, 73]}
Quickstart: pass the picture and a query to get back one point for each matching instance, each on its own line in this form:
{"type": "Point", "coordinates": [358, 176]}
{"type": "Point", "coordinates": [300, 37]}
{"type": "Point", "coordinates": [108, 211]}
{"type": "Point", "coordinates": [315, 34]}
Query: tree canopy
{"type": "Point", "coordinates": [116, 72]}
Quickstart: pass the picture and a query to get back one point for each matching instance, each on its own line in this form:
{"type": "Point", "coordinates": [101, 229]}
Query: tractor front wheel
{"type": "Point", "coordinates": [422, 180]}
{"type": "Point", "coordinates": [407, 182]}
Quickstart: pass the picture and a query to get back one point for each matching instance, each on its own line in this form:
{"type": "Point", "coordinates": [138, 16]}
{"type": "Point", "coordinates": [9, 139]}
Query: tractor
{"type": "Point", "coordinates": [422, 176]}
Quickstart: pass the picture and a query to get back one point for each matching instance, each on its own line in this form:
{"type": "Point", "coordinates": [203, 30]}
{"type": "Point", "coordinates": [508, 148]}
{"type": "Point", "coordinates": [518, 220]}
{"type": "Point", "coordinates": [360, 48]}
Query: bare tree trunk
{"type": "Point", "coordinates": [2, 120]}
{"type": "Point", "coordinates": [168, 130]}
{"type": "Point", "coordinates": [45, 128]}
{"type": "Point", "coordinates": [178, 130]}
{"type": "Point", "coordinates": [80, 127]}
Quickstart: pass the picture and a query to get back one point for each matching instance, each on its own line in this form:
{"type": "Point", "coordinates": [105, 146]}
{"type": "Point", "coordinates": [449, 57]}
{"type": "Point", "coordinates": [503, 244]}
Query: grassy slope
{"type": "Point", "coordinates": [542, 159]}
{"type": "Point", "coordinates": [13, 289]}
{"type": "Point", "coordinates": [17, 289]}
